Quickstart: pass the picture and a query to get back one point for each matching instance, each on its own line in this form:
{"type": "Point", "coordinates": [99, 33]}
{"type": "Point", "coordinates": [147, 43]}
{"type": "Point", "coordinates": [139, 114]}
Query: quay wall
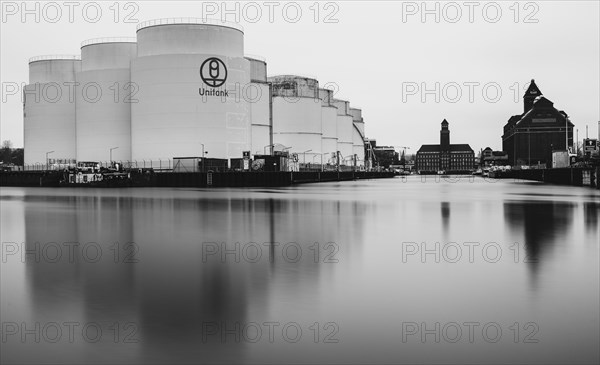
{"type": "Point", "coordinates": [200, 179]}
{"type": "Point", "coordinates": [561, 176]}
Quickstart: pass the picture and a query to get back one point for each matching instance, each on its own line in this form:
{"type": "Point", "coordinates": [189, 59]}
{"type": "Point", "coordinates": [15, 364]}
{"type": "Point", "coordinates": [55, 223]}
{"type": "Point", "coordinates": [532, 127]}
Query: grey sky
{"type": "Point", "coordinates": [372, 49]}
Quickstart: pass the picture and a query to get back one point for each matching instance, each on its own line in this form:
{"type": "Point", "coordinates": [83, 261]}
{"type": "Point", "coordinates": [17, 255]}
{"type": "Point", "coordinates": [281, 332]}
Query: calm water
{"type": "Point", "coordinates": [389, 271]}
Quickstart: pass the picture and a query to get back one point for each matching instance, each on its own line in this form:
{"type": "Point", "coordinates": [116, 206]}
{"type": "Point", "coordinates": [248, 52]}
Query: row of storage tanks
{"type": "Point", "coordinates": [140, 99]}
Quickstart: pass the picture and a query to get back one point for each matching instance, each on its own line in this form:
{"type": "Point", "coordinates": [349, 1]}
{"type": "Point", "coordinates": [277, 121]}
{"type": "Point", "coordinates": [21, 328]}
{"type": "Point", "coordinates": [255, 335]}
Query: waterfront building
{"type": "Point", "coordinates": [451, 158]}
{"type": "Point", "coordinates": [531, 137]}
{"type": "Point", "coordinates": [490, 157]}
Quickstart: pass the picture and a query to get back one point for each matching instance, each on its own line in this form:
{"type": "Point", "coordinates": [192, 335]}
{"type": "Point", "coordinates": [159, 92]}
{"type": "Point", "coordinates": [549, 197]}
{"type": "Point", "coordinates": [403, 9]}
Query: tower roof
{"type": "Point", "coordinates": [444, 122]}
{"type": "Point", "coordinates": [533, 90]}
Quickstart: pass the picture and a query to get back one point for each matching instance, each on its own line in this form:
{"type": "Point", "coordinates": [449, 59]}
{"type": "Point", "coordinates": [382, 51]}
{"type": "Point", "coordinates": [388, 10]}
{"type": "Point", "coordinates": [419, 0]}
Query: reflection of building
{"type": "Point", "coordinates": [532, 136]}
{"type": "Point", "coordinates": [493, 158]}
{"type": "Point", "coordinates": [445, 156]}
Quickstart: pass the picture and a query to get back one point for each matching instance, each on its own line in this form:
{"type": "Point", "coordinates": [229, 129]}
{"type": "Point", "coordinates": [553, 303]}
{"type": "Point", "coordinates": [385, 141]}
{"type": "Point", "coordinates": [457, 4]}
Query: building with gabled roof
{"type": "Point", "coordinates": [530, 138]}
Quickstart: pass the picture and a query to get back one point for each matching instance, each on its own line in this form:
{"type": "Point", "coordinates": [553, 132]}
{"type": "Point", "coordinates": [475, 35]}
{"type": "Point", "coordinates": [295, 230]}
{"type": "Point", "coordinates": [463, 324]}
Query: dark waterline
{"type": "Point", "coordinates": [335, 260]}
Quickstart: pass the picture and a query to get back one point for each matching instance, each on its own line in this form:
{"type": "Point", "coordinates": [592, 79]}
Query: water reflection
{"type": "Point", "coordinates": [445, 210]}
{"type": "Point", "coordinates": [144, 261]}
{"type": "Point", "coordinates": [176, 261]}
{"type": "Point", "coordinates": [541, 225]}
{"type": "Point", "coordinates": [591, 211]}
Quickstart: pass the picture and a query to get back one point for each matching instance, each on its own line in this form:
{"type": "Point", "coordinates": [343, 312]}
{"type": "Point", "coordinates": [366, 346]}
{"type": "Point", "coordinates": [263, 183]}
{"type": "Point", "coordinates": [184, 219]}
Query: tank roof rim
{"type": "Point", "coordinates": [188, 21]}
{"type": "Point", "coordinates": [107, 40]}
{"type": "Point", "coordinates": [295, 76]}
{"type": "Point", "coordinates": [57, 57]}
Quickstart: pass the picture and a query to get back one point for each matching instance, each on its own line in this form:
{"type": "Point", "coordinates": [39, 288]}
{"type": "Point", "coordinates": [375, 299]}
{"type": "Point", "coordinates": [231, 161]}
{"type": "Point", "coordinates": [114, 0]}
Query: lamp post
{"type": "Point", "coordinates": [47, 153]}
{"type": "Point", "coordinates": [110, 152]}
{"type": "Point", "coordinates": [203, 155]}
{"type": "Point", "coordinates": [567, 133]}
{"type": "Point", "coordinates": [265, 149]}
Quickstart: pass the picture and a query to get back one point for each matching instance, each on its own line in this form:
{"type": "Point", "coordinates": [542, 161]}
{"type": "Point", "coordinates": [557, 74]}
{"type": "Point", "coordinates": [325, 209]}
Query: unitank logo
{"type": "Point", "coordinates": [213, 72]}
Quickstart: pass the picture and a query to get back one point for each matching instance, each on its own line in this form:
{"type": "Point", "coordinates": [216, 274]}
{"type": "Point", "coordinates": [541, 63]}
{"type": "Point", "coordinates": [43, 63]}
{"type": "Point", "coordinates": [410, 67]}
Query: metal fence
{"type": "Point", "coordinates": [157, 165]}
{"type": "Point", "coordinates": [167, 165]}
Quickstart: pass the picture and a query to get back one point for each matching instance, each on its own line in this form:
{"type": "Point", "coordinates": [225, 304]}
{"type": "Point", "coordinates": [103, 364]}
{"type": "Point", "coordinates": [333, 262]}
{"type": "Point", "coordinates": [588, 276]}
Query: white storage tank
{"type": "Point", "coordinates": [345, 127]}
{"type": "Point", "coordinates": [358, 136]}
{"type": "Point", "coordinates": [49, 110]}
{"type": "Point", "coordinates": [190, 74]}
{"type": "Point", "coordinates": [297, 115]}
{"type": "Point", "coordinates": [104, 102]}
{"type": "Point", "coordinates": [259, 95]}
{"type": "Point", "coordinates": [329, 139]}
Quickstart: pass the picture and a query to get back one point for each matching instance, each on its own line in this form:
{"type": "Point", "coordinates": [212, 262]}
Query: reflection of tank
{"type": "Point", "coordinates": [345, 128]}
{"type": "Point", "coordinates": [182, 104]}
{"type": "Point", "coordinates": [104, 123]}
{"type": "Point", "coordinates": [296, 113]}
{"type": "Point", "coordinates": [49, 109]}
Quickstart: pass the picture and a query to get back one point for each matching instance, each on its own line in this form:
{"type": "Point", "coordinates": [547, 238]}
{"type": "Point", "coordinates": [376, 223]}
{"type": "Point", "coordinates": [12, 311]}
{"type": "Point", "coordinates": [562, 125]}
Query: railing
{"type": "Point", "coordinates": [166, 165]}
{"type": "Point", "coordinates": [55, 57]}
{"type": "Point", "coordinates": [201, 21]}
{"type": "Point", "coordinates": [108, 40]}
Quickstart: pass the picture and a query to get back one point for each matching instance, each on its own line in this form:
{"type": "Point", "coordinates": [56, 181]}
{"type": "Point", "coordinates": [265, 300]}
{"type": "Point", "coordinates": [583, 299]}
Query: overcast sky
{"type": "Point", "coordinates": [381, 56]}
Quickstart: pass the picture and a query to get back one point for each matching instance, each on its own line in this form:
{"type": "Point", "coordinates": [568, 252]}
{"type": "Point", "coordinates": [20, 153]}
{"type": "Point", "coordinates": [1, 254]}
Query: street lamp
{"type": "Point", "coordinates": [567, 134]}
{"type": "Point", "coordinates": [114, 148]}
{"type": "Point", "coordinates": [47, 153]}
{"type": "Point", "coordinates": [203, 154]}
{"type": "Point", "coordinates": [265, 148]}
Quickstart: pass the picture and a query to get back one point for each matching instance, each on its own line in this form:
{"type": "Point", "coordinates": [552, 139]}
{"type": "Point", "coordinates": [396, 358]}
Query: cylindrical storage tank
{"type": "Point", "coordinates": [105, 99]}
{"type": "Point", "coordinates": [358, 120]}
{"type": "Point", "coordinates": [345, 126]}
{"type": "Point", "coordinates": [191, 76]}
{"type": "Point", "coordinates": [358, 136]}
{"type": "Point", "coordinates": [297, 115]}
{"type": "Point", "coordinates": [49, 110]}
{"type": "Point", "coordinates": [258, 95]}
{"type": "Point", "coordinates": [258, 68]}
{"type": "Point", "coordinates": [329, 125]}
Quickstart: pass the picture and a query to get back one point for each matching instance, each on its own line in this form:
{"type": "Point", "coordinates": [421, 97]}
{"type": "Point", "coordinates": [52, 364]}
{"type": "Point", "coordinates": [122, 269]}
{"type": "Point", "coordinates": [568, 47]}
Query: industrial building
{"type": "Point", "coordinates": [445, 157]}
{"type": "Point", "coordinates": [182, 88]}
{"type": "Point", "coordinates": [531, 137]}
